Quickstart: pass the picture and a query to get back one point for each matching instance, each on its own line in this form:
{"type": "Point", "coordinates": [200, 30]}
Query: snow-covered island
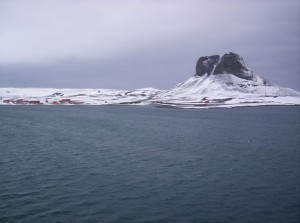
{"type": "Point", "coordinates": [219, 82]}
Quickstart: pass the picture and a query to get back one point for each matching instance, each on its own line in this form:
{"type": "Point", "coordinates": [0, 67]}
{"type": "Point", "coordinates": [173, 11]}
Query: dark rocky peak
{"type": "Point", "coordinates": [206, 65]}
{"type": "Point", "coordinates": [230, 63]}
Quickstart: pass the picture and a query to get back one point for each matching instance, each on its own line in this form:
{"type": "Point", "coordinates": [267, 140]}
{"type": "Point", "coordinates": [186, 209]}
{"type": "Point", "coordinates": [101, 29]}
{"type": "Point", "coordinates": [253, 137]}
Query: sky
{"type": "Point", "coordinates": [143, 43]}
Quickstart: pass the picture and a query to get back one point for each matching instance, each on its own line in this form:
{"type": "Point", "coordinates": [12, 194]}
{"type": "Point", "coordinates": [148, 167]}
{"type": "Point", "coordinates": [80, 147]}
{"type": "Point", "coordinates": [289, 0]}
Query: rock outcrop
{"type": "Point", "coordinates": [206, 65]}
{"type": "Point", "coordinates": [230, 63]}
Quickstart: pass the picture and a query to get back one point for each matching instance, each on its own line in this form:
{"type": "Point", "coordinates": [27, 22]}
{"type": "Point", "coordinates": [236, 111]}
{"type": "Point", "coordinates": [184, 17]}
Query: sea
{"type": "Point", "coordinates": [146, 164]}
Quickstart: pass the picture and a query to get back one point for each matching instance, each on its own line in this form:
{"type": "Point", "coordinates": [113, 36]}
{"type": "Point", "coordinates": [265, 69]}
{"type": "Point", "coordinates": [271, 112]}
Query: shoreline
{"type": "Point", "coordinates": [167, 106]}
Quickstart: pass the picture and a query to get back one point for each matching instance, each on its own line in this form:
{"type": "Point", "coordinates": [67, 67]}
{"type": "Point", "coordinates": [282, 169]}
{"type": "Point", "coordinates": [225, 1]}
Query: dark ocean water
{"type": "Point", "coordinates": [143, 164]}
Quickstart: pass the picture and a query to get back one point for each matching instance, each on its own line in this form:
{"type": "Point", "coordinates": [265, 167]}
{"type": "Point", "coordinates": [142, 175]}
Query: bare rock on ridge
{"type": "Point", "coordinates": [229, 63]}
{"type": "Point", "coordinates": [232, 63]}
{"type": "Point", "coordinates": [206, 65]}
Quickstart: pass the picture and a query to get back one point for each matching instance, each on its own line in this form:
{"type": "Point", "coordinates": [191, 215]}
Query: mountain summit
{"type": "Point", "coordinates": [229, 63]}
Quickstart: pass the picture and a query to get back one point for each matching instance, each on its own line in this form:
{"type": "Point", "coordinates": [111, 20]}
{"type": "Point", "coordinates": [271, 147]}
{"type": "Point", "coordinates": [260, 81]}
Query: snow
{"type": "Point", "coordinates": [87, 96]}
{"type": "Point", "coordinates": [226, 90]}
{"type": "Point", "coordinates": [208, 91]}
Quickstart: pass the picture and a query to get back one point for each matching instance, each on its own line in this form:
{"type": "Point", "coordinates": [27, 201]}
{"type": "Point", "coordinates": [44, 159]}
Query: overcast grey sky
{"type": "Point", "coordinates": [143, 43]}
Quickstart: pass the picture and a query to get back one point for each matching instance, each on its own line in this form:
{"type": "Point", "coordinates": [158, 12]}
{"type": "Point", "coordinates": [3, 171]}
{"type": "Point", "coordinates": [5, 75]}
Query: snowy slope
{"type": "Point", "coordinates": [227, 89]}
{"type": "Point", "coordinates": [49, 96]}
{"type": "Point", "coordinates": [226, 85]}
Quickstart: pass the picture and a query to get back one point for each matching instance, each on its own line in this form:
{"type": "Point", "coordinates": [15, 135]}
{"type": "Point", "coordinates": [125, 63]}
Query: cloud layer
{"type": "Point", "coordinates": [149, 42]}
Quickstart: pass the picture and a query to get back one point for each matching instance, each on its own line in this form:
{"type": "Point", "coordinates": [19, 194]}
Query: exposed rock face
{"type": "Point", "coordinates": [230, 63]}
{"type": "Point", "coordinates": [206, 65]}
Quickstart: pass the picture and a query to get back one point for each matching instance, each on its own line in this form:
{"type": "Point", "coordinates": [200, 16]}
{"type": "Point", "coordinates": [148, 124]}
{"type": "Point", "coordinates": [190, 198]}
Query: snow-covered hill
{"type": "Point", "coordinates": [219, 82]}
{"type": "Point", "coordinates": [225, 91]}
{"type": "Point", "coordinates": [225, 82]}
{"type": "Point", "coordinates": [52, 96]}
